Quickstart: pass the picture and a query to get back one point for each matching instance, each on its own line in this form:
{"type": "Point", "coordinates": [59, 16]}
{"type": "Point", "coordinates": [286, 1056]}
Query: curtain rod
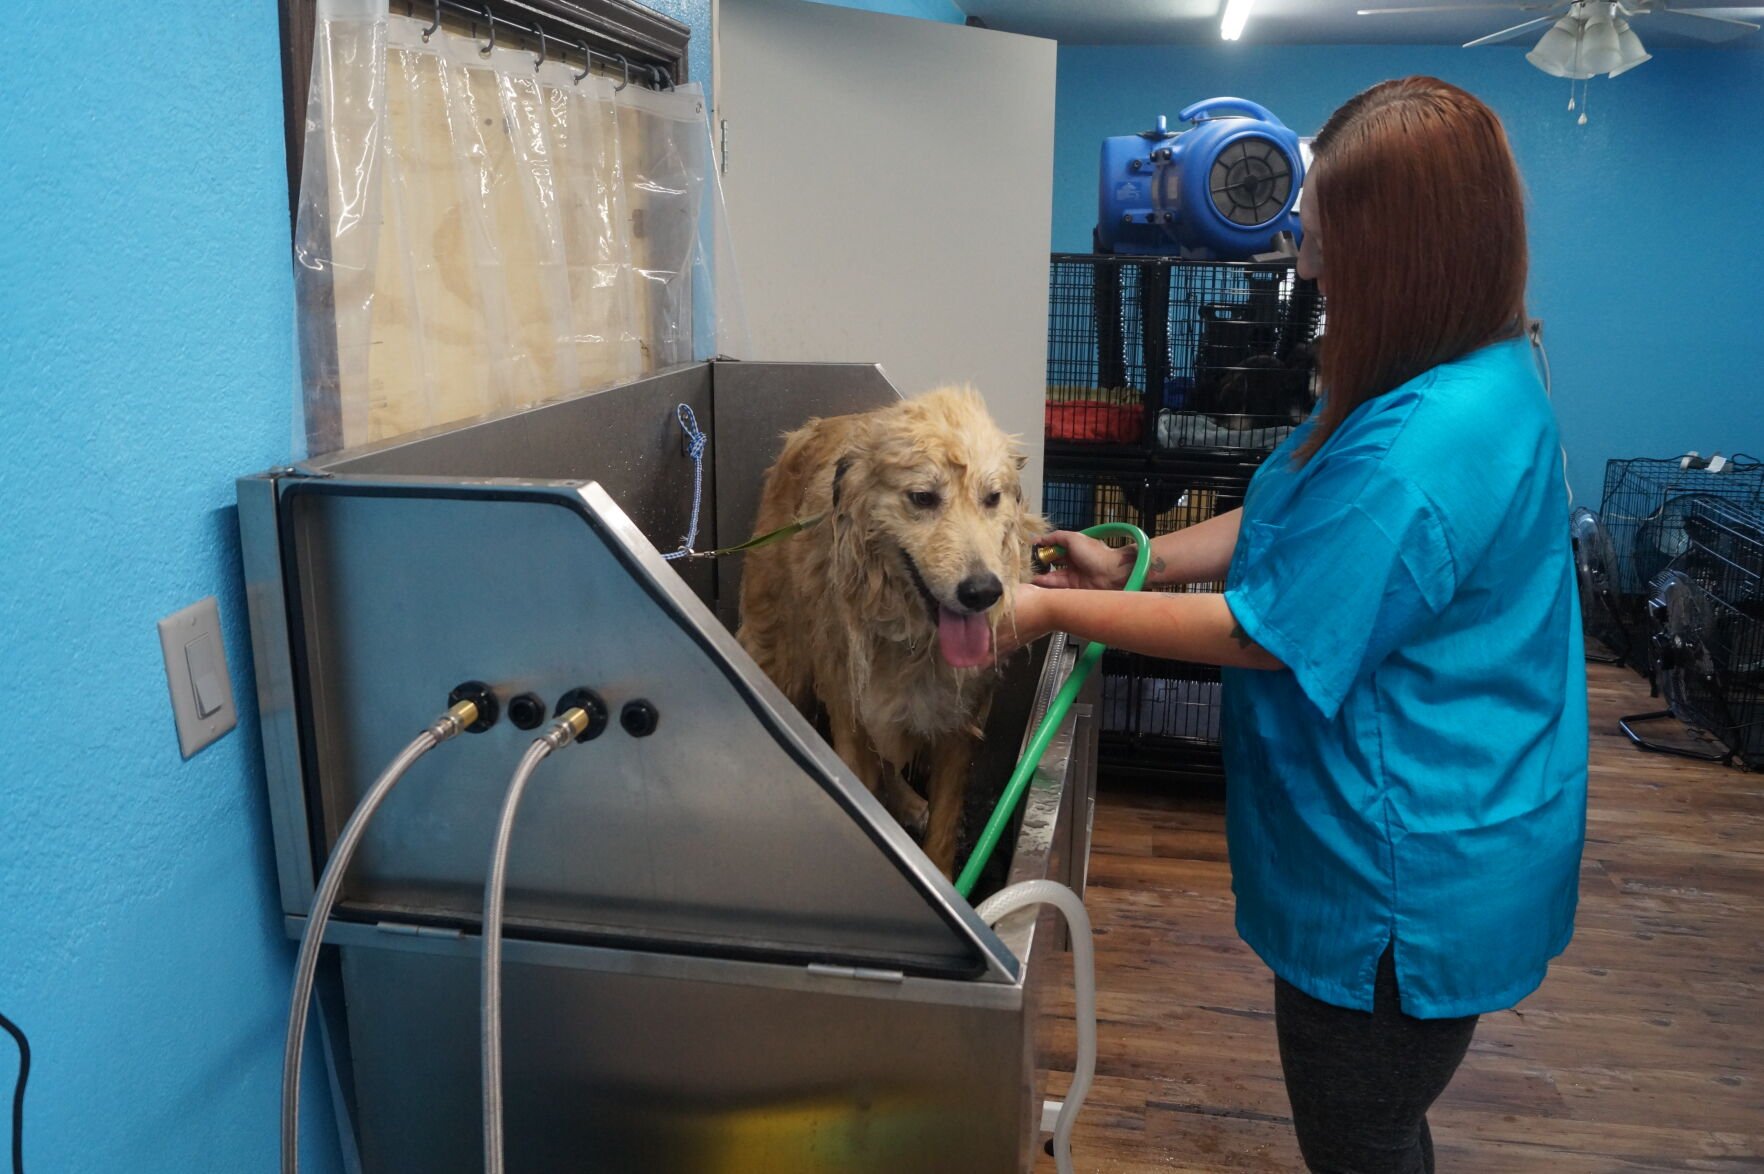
{"type": "Point", "coordinates": [660, 76]}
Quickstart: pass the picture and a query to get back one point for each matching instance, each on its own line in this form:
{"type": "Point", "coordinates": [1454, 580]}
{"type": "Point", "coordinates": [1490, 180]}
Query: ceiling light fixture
{"type": "Point", "coordinates": [1593, 38]}
{"type": "Point", "coordinates": [1236, 16]}
{"type": "Point", "coordinates": [1600, 51]}
{"type": "Point", "coordinates": [1557, 53]}
{"type": "Point", "coordinates": [1631, 47]}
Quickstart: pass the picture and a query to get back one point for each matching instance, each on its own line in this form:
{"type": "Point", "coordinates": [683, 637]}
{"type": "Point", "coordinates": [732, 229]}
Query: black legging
{"type": "Point", "coordinates": [1361, 1083]}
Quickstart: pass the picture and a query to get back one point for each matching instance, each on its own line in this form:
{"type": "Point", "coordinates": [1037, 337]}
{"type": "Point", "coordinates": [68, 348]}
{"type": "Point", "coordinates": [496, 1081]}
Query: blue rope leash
{"type": "Point", "coordinates": [696, 442]}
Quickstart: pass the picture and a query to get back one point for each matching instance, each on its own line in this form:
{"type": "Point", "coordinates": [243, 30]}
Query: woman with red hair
{"type": "Point", "coordinates": [1405, 696]}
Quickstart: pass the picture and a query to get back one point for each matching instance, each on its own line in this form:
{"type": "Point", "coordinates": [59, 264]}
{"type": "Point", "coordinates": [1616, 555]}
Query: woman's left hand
{"type": "Point", "coordinates": [1030, 620]}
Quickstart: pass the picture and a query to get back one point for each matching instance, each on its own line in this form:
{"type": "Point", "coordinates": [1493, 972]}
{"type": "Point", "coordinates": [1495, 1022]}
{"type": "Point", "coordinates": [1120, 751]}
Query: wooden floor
{"type": "Point", "coordinates": [1644, 1050]}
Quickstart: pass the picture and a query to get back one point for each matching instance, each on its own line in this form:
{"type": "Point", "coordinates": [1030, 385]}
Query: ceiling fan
{"type": "Point", "coordinates": [1698, 25]}
{"type": "Point", "coordinates": [1586, 38]}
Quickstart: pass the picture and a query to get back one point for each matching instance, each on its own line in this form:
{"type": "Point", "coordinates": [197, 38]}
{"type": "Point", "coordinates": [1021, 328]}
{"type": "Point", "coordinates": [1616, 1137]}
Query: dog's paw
{"type": "Point", "coordinates": [907, 807]}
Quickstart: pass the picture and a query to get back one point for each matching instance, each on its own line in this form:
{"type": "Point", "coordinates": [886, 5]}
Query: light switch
{"type": "Point", "coordinates": [196, 671]}
{"type": "Point", "coordinates": [199, 655]}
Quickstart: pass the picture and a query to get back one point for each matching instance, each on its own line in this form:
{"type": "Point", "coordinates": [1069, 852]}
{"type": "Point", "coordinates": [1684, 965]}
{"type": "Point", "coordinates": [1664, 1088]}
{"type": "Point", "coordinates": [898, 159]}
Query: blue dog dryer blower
{"type": "Point", "coordinates": [1225, 190]}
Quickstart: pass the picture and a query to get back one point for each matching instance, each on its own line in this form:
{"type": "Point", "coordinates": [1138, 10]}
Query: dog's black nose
{"type": "Point", "coordinates": [979, 592]}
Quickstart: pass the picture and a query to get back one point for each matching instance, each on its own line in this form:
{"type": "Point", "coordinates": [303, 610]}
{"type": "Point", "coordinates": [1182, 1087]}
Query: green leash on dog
{"type": "Point", "coordinates": [788, 530]}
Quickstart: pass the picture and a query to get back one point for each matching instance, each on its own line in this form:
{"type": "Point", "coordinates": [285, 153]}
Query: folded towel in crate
{"type": "Point", "coordinates": [1194, 430]}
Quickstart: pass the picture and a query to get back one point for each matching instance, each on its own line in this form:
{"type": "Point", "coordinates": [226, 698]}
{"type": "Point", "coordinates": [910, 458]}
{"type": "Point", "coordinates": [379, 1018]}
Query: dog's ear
{"type": "Point", "coordinates": [840, 468]}
{"type": "Point", "coordinates": [855, 573]}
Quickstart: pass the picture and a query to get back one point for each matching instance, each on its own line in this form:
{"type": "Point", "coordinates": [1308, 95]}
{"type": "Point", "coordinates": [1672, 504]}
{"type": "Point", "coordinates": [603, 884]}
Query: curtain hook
{"type": "Point", "coordinates": [488, 47]}
{"type": "Point", "coordinates": [430, 31]}
{"type": "Point", "coordinates": [654, 77]}
{"type": "Point", "coordinates": [668, 74]}
{"type": "Point", "coordinates": [627, 64]}
{"type": "Point", "coordinates": [587, 61]}
{"type": "Point", "coordinates": [539, 61]}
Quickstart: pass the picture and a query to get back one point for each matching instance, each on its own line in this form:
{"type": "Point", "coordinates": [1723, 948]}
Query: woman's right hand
{"type": "Point", "coordinates": [1089, 564]}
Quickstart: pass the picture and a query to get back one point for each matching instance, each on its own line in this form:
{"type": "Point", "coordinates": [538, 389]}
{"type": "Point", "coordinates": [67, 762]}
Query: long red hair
{"type": "Point", "coordinates": [1422, 222]}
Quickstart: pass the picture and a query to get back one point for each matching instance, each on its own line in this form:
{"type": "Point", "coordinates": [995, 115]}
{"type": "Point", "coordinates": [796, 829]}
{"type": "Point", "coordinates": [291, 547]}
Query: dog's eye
{"type": "Point", "coordinates": [925, 499]}
{"type": "Point", "coordinates": [990, 501]}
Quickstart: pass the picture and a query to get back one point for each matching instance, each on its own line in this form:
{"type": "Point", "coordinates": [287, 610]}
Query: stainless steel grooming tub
{"type": "Point", "coordinates": [722, 955]}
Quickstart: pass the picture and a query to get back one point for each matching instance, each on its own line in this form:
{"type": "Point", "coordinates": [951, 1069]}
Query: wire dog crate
{"type": "Point", "coordinates": [1707, 648]}
{"type": "Point", "coordinates": [1159, 354]}
{"type": "Point", "coordinates": [1645, 507]}
{"type": "Point", "coordinates": [1168, 383]}
{"type": "Point", "coordinates": [1157, 716]}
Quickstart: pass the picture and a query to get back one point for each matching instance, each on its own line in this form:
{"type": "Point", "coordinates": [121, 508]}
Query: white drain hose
{"type": "Point", "coordinates": [1045, 892]}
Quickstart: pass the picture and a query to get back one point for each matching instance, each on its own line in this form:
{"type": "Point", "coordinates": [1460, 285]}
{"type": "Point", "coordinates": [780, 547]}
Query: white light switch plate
{"type": "Point", "coordinates": [196, 671]}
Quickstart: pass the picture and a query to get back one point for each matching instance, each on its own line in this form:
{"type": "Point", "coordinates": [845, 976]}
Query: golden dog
{"type": "Point", "coordinates": [883, 612]}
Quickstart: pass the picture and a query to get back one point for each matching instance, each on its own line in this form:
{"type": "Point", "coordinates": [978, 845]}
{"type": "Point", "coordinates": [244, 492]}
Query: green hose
{"type": "Point", "coordinates": [1050, 724]}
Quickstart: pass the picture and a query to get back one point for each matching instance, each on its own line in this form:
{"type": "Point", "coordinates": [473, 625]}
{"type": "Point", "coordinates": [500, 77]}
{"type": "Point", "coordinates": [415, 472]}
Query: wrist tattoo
{"type": "Point", "coordinates": [1130, 553]}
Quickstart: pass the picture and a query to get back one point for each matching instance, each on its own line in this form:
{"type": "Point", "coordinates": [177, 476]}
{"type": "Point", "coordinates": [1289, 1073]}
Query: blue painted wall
{"type": "Point", "coordinates": [146, 361]}
{"type": "Point", "coordinates": [944, 11]}
{"type": "Point", "coordinates": [1652, 296]}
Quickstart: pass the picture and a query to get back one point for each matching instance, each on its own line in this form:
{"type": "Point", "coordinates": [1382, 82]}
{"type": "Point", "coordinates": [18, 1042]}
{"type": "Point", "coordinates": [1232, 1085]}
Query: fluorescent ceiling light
{"type": "Point", "coordinates": [1236, 16]}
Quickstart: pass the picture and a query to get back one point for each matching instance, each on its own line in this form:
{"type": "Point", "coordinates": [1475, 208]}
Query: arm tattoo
{"type": "Point", "coordinates": [1130, 552]}
{"type": "Point", "coordinates": [1242, 637]}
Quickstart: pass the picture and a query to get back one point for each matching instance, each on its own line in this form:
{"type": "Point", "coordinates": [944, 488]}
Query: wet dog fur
{"type": "Point", "coordinates": [881, 616]}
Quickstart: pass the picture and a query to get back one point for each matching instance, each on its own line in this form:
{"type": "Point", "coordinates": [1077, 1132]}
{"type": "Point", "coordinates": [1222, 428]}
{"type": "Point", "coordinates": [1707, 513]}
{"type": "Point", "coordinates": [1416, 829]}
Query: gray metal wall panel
{"type": "Point", "coordinates": [707, 835]}
{"type": "Point", "coordinates": [621, 1073]}
{"type": "Point", "coordinates": [625, 438]}
{"type": "Point", "coordinates": [756, 404]}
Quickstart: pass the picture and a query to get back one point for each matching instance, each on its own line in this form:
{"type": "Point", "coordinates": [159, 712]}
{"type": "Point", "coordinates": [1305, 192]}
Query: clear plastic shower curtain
{"type": "Point", "coordinates": [478, 231]}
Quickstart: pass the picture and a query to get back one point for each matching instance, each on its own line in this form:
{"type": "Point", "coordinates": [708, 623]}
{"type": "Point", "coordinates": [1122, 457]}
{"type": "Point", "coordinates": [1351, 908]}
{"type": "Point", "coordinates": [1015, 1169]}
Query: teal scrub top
{"type": "Point", "coordinates": [1415, 778]}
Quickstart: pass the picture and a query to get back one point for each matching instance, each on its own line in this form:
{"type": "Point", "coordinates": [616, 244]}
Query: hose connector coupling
{"type": "Point", "coordinates": [581, 715]}
{"type": "Point", "coordinates": [567, 728]}
{"type": "Point", "coordinates": [460, 716]}
{"type": "Point", "coordinates": [471, 709]}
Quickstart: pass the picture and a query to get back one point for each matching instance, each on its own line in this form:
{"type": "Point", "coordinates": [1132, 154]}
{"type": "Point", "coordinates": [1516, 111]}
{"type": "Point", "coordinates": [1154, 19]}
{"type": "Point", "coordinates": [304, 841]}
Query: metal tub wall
{"type": "Point", "coordinates": [622, 1060]}
{"type": "Point", "coordinates": [804, 1003]}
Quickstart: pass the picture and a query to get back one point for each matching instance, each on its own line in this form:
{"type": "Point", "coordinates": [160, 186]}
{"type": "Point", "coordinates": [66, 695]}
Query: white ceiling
{"type": "Point", "coordinates": [1303, 22]}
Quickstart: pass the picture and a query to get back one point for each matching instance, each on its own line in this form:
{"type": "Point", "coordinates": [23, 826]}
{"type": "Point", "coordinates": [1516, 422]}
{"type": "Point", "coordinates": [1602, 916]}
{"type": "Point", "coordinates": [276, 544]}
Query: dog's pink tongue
{"type": "Point", "coordinates": [965, 640]}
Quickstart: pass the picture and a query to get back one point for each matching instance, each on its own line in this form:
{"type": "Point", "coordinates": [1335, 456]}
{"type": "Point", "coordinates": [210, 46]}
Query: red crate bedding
{"type": "Point", "coordinates": [1097, 421]}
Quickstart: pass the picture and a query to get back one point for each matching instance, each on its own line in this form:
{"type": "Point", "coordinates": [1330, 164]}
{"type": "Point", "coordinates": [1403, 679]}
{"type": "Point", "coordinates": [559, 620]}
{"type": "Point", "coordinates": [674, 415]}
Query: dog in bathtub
{"type": "Point", "coordinates": [881, 615]}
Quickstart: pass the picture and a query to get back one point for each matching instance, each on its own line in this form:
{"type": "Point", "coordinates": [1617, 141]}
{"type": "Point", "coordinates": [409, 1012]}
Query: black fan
{"type": "Point", "coordinates": [1686, 671]}
{"type": "Point", "coordinates": [1250, 181]}
{"type": "Point", "coordinates": [1660, 538]}
{"type": "Point", "coordinates": [1595, 563]}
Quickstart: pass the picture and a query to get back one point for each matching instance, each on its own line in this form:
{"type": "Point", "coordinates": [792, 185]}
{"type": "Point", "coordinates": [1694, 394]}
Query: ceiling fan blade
{"type": "Point", "coordinates": [1508, 34]}
{"type": "Point", "coordinates": [1453, 8]}
{"type": "Point", "coordinates": [1703, 26]}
